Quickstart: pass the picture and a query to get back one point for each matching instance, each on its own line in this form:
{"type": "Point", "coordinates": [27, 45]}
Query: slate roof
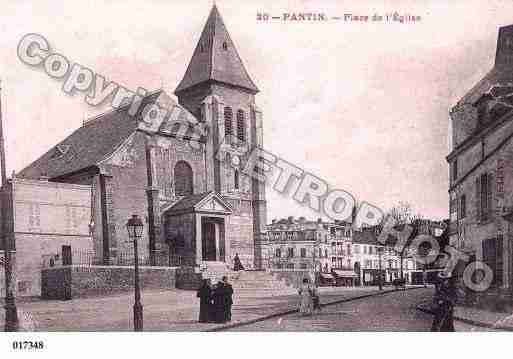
{"type": "Point", "coordinates": [87, 145]}
{"type": "Point", "coordinates": [365, 237]}
{"type": "Point", "coordinates": [502, 72]}
{"type": "Point", "coordinates": [497, 77]}
{"type": "Point", "coordinates": [187, 203]}
{"type": "Point", "coordinates": [211, 62]}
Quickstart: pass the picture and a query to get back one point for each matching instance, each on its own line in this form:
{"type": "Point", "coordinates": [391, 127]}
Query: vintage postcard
{"type": "Point", "coordinates": [256, 166]}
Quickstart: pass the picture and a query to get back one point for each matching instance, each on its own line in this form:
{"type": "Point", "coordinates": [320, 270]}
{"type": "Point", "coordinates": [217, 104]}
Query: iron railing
{"type": "Point", "coordinates": [125, 258]}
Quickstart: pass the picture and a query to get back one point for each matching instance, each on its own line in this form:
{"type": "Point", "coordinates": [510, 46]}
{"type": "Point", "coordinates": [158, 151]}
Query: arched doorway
{"type": "Point", "coordinates": [183, 179]}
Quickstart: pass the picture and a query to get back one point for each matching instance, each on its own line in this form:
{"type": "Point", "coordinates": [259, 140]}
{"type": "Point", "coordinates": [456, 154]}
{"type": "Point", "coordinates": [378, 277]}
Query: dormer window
{"type": "Point", "coordinates": [60, 151]}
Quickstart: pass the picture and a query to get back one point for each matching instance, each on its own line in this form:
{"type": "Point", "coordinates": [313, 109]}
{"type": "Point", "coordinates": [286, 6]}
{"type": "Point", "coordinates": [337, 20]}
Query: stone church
{"type": "Point", "coordinates": [197, 204]}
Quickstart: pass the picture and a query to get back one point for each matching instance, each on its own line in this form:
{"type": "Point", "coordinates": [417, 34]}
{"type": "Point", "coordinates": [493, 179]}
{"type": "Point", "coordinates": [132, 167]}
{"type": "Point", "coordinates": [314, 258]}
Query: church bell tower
{"type": "Point", "coordinates": [218, 90]}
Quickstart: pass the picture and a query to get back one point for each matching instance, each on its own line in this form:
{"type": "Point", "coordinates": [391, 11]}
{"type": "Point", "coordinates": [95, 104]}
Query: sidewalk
{"type": "Point", "coordinates": [173, 310]}
{"type": "Point", "coordinates": [477, 317]}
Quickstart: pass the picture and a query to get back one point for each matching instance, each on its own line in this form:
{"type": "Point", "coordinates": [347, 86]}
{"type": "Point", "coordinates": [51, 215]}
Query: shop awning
{"type": "Point", "coordinates": [344, 273]}
{"type": "Point", "coordinates": [326, 275]}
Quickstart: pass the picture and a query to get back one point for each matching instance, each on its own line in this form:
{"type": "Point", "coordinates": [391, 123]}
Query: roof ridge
{"type": "Point", "coordinates": [89, 120]}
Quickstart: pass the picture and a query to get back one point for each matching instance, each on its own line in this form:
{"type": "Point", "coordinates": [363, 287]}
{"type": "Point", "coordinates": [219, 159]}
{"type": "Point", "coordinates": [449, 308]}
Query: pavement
{"type": "Point", "coordinates": [392, 311]}
{"type": "Point", "coordinates": [475, 319]}
{"type": "Point", "coordinates": [171, 310]}
{"type": "Point", "coordinates": [344, 309]}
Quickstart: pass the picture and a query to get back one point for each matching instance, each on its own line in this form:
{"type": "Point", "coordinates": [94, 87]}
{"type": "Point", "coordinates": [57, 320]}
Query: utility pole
{"type": "Point", "coordinates": [380, 278]}
{"type": "Point", "coordinates": [11, 312]}
{"type": "Point", "coordinates": [401, 264]}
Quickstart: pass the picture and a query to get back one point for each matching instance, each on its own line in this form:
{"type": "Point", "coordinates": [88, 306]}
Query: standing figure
{"type": "Point", "coordinates": [316, 300]}
{"type": "Point", "coordinates": [444, 301]}
{"type": "Point", "coordinates": [219, 298]}
{"type": "Point", "coordinates": [205, 295]}
{"type": "Point", "coordinates": [306, 293]}
{"type": "Point", "coordinates": [237, 264]}
{"type": "Point", "coordinates": [228, 294]}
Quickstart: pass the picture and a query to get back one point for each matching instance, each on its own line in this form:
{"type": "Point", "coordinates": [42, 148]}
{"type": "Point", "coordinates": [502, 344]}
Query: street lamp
{"type": "Point", "coordinates": [135, 227]}
{"type": "Point", "coordinates": [380, 278]}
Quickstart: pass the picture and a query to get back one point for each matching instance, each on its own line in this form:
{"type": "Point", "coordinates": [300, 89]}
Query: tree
{"type": "Point", "coordinates": [402, 214]}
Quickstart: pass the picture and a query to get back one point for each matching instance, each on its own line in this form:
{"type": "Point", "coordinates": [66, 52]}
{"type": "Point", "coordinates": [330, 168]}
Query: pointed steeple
{"type": "Point", "coordinates": [216, 59]}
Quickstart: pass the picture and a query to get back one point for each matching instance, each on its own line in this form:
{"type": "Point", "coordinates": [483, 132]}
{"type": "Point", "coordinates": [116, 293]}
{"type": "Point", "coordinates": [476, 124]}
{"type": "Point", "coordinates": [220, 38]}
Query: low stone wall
{"type": "Point", "coordinates": [187, 278]}
{"type": "Point", "coordinates": [69, 282]}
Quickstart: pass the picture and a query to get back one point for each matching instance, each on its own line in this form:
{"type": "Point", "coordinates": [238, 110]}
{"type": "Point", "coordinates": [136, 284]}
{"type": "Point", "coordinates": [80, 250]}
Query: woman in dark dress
{"type": "Point", "coordinates": [228, 300]}
{"type": "Point", "coordinates": [237, 264]}
{"type": "Point", "coordinates": [219, 303]}
{"type": "Point", "coordinates": [205, 295]}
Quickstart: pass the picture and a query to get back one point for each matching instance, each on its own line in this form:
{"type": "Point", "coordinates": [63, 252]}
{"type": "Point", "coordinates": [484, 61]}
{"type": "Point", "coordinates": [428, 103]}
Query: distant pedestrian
{"type": "Point", "coordinates": [237, 264]}
{"type": "Point", "coordinates": [228, 299]}
{"type": "Point", "coordinates": [306, 293]}
{"type": "Point", "coordinates": [316, 300]}
{"type": "Point", "coordinates": [205, 295]}
{"type": "Point", "coordinates": [444, 301]}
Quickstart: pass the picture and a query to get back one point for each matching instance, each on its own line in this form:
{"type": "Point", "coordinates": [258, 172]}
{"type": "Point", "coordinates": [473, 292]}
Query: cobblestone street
{"type": "Point", "coordinates": [177, 310]}
{"type": "Point", "coordinates": [174, 310]}
{"type": "Point", "coordinates": [393, 311]}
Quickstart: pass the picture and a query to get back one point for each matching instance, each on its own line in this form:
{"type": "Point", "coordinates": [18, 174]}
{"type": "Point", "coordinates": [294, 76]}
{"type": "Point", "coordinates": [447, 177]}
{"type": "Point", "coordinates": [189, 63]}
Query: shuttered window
{"type": "Point", "coordinates": [478, 198]}
{"type": "Point", "coordinates": [484, 196]}
{"type": "Point", "coordinates": [228, 117]}
{"type": "Point", "coordinates": [463, 206]}
{"type": "Point", "coordinates": [241, 126]}
{"type": "Point", "coordinates": [492, 256]}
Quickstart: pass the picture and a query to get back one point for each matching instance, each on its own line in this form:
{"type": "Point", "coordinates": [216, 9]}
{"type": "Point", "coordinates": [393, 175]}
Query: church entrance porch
{"type": "Point", "coordinates": [194, 229]}
{"type": "Point", "coordinates": [212, 239]}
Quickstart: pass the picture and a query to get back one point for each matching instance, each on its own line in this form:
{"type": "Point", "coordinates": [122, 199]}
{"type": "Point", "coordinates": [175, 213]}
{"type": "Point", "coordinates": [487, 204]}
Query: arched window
{"type": "Point", "coordinates": [183, 178]}
{"type": "Point", "coordinates": [236, 179]}
{"type": "Point", "coordinates": [241, 126]}
{"type": "Point", "coordinates": [228, 126]}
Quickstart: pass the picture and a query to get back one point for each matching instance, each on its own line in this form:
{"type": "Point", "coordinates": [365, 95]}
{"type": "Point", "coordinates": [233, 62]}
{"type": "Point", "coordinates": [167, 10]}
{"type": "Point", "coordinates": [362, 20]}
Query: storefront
{"type": "Point", "coordinates": [326, 280]}
{"type": "Point", "coordinates": [346, 278]}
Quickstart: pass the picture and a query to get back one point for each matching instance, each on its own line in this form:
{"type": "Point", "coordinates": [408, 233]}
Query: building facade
{"type": "Point", "coordinates": [481, 168]}
{"type": "Point", "coordinates": [197, 203]}
{"type": "Point", "coordinates": [371, 258]}
{"type": "Point", "coordinates": [297, 245]}
{"type": "Point", "coordinates": [41, 217]}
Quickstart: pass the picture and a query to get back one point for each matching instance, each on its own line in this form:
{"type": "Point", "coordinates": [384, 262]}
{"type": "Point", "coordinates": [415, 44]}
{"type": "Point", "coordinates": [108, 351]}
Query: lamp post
{"type": "Point", "coordinates": [380, 276]}
{"type": "Point", "coordinates": [135, 227]}
{"type": "Point", "coordinates": [11, 312]}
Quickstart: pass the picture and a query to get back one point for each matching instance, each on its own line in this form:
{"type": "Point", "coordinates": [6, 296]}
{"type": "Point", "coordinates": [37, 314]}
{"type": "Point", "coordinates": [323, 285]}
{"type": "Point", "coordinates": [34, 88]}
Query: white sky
{"type": "Point", "coordinates": [363, 106]}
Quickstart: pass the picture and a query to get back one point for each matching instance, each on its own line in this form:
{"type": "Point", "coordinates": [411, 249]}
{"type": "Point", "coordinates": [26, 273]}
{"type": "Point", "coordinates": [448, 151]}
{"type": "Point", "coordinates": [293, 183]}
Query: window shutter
{"type": "Point", "coordinates": [489, 194]}
{"type": "Point", "coordinates": [478, 198]}
{"type": "Point", "coordinates": [458, 208]}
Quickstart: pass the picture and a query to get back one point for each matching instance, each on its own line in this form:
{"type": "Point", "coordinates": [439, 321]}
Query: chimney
{"type": "Point", "coordinates": [504, 53]}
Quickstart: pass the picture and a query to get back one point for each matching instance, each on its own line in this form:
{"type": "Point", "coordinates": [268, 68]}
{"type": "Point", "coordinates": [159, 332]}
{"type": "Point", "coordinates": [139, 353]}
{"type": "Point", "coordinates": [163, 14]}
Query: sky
{"type": "Point", "coordinates": [363, 106]}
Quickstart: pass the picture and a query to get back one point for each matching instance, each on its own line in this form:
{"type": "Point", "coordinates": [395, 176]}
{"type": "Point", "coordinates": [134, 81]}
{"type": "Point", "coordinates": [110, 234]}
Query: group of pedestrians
{"type": "Point", "coordinates": [215, 301]}
{"type": "Point", "coordinates": [309, 298]}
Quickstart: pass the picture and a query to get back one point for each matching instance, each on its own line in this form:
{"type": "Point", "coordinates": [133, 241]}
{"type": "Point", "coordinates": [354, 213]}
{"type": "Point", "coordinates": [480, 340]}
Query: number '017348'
{"type": "Point", "coordinates": [27, 345]}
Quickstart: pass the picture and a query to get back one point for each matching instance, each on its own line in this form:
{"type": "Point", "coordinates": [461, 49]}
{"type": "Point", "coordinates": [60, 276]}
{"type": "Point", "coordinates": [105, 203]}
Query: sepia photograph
{"type": "Point", "coordinates": [289, 166]}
